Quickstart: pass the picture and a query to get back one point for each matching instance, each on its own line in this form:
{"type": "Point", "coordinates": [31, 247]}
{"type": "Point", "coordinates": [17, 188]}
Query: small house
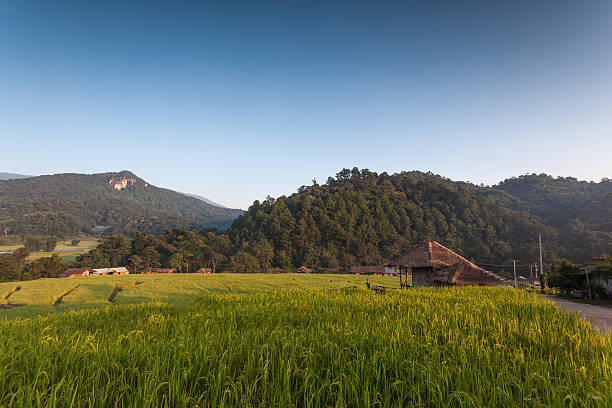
{"type": "Point", "coordinates": [75, 272]}
{"type": "Point", "coordinates": [148, 271]}
{"type": "Point", "coordinates": [432, 264]}
{"type": "Point", "coordinates": [120, 270]}
{"type": "Point", "coordinates": [303, 269]}
{"type": "Point", "coordinates": [204, 270]}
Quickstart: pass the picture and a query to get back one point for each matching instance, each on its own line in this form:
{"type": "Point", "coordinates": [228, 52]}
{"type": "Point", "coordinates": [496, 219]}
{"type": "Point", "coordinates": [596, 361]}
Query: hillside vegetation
{"type": "Point", "coordinates": [361, 217]}
{"type": "Point", "coordinates": [70, 203]}
{"type": "Point", "coordinates": [443, 347]}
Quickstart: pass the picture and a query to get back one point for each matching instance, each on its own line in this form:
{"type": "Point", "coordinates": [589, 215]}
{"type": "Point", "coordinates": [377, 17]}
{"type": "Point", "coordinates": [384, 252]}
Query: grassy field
{"type": "Point", "coordinates": [86, 244]}
{"type": "Point", "coordinates": [452, 347]}
{"type": "Point", "coordinates": [178, 289]}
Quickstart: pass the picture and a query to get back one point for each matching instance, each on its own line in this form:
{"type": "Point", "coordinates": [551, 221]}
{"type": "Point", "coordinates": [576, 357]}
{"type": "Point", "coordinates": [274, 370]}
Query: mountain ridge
{"type": "Point", "coordinates": [72, 202]}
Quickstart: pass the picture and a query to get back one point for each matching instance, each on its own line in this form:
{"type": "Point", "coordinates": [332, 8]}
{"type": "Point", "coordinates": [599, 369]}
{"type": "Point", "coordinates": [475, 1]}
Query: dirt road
{"type": "Point", "coordinates": [599, 317]}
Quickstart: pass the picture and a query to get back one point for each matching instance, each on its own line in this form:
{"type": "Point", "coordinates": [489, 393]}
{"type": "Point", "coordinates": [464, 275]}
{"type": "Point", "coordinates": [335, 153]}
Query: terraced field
{"type": "Point", "coordinates": [41, 296]}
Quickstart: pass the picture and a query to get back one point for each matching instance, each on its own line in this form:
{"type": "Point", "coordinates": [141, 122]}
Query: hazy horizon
{"type": "Point", "coordinates": [235, 102]}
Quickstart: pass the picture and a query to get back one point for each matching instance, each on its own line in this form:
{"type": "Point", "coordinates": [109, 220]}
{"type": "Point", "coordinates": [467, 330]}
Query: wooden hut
{"type": "Point", "coordinates": [75, 272]}
{"type": "Point", "coordinates": [204, 270]}
{"type": "Point", "coordinates": [432, 264]}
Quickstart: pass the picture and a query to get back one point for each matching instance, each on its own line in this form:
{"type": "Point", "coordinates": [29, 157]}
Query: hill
{"type": "Point", "coordinates": [13, 176]}
{"type": "Point", "coordinates": [115, 202]}
{"type": "Point", "coordinates": [206, 200]}
{"type": "Point", "coordinates": [580, 211]}
{"type": "Point", "coordinates": [361, 217]}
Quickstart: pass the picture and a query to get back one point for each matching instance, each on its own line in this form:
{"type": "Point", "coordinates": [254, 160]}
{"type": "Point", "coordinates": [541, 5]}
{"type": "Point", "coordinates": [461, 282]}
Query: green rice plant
{"type": "Point", "coordinates": [444, 347]}
{"type": "Point", "coordinates": [179, 289]}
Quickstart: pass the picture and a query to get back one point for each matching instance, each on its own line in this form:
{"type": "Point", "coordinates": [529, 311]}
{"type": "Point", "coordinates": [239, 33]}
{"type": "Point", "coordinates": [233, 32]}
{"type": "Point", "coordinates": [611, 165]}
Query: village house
{"type": "Point", "coordinates": [204, 270]}
{"type": "Point", "coordinates": [148, 271]}
{"type": "Point", "coordinates": [432, 264]}
{"type": "Point", "coordinates": [75, 272]}
{"type": "Point", "coordinates": [120, 270]}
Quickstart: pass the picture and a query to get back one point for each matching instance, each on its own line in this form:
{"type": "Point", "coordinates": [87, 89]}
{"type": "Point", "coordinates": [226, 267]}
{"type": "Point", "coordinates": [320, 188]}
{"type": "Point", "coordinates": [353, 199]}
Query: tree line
{"type": "Point", "coordinates": [360, 217]}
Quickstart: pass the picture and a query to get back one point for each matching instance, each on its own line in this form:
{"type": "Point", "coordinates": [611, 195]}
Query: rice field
{"type": "Point", "coordinates": [452, 347]}
{"type": "Point", "coordinates": [39, 296]}
{"type": "Point", "coordinates": [68, 252]}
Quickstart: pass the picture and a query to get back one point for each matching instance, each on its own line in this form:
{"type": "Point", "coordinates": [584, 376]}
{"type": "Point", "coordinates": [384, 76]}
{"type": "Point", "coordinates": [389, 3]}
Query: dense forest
{"type": "Point", "coordinates": [360, 217]}
{"type": "Point", "coordinates": [121, 203]}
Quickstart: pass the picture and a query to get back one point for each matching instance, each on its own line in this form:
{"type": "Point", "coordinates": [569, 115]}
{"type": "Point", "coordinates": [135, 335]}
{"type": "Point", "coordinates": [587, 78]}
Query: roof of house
{"type": "Point", "coordinates": [426, 254]}
{"type": "Point", "coordinates": [107, 270]}
{"type": "Point", "coordinates": [73, 271]}
{"type": "Point", "coordinates": [466, 273]}
{"type": "Point", "coordinates": [367, 269]}
{"type": "Point", "coordinates": [459, 270]}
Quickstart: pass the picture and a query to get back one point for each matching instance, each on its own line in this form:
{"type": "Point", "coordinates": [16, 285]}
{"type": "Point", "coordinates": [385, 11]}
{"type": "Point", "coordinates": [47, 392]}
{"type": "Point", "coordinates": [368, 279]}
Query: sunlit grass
{"type": "Point", "coordinates": [448, 347]}
{"type": "Point", "coordinates": [93, 291]}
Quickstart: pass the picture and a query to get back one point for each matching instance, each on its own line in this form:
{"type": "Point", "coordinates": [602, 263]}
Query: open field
{"type": "Point", "coordinates": [451, 347]}
{"type": "Point", "coordinates": [179, 289]}
{"type": "Point", "coordinates": [70, 254]}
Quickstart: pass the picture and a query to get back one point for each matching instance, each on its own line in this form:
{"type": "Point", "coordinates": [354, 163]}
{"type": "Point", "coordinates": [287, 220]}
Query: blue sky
{"type": "Point", "coordinates": [235, 101]}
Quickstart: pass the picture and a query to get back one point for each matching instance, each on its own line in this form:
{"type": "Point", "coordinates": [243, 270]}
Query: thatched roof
{"type": "Point", "coordinates": [427, 254]}
{"type": "Point", "coordinates": [458, 270]}
{"type": "Point", "coordinates": [466, 273]}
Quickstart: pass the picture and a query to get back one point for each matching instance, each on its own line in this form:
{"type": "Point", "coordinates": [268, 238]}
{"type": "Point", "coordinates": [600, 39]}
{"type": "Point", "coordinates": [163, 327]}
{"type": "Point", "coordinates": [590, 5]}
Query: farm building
{"type": "Point", "coordinates": [432, 264]}
{"type": "Point", "coordinates": [148, 271]}
{"type": "Point", "coordinates": [303, 269]}
{"type": "Point", "coordinates": [372, 270]}
{"type": "Point", "coordinates": [75, 272]}
{"type": "Point", "coordinates": [120, 270]}
{"type": "Point", "coordinates": [204, 270]}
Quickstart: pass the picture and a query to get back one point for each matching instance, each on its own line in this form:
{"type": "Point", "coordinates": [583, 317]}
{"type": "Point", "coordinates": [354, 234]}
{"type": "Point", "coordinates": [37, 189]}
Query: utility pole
{"type": "Point", "coordinates": [514, 261]}
{"type": "Point", "coordinates": [541, 265]}
{"type": "Point", "coordinates": [531, 274]}
{"type": "Point", "coordinates": [588, 285]}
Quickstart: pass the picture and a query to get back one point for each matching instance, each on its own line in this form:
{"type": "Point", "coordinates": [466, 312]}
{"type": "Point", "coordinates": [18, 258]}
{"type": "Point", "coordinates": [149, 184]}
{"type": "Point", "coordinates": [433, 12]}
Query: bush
{"type": "Point", "coordinates": [75, 242]}
{"type": "Point", "coordinates": [598, 291]}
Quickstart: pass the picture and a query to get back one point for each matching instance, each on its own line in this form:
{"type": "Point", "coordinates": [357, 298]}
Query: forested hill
{"type": "Point", "coordinates": [70, 203]}
{"type": "Point", "coordinates": [580, 211]}
{"type": "Point", "coordinates": [360, 217]}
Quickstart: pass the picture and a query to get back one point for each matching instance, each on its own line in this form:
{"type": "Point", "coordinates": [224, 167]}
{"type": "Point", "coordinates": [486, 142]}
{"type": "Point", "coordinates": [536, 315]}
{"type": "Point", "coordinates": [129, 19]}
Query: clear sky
{"type": "Point", "coordinates": [244, 99]}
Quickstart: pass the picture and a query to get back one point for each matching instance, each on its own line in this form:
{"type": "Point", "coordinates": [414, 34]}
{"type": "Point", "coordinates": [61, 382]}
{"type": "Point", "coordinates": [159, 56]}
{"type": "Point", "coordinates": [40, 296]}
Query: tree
{"type": "Point", "coordinates": [50, 243]}
{"type": "Point", "coordinates": [75, 242]}
{"type": "Point", "coordinates": [244, 262]}
{"type": "Point", "coordinates": [566, 277]}
{"type": "Point", "coordinates": [33, 243]}
{"type": "Point", "coordinates": [603, 269]}
{"type": "Point", "coordinates": [48, 267]}
{"type": "Point", "coordinates": [263, 251]}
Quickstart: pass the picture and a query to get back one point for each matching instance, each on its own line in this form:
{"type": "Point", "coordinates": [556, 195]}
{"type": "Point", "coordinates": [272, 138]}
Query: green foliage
{"type": "Point", "coordinates": [242, 261]}
{"type": "Point", "coordinates": [75, 242]}
{"type": "Point", "coordinates": [182, 249]}
{"type": "Point", "coordinates": [481, 347]}
{"type": "Point", "coordinates": [360, 217]}
{"type": "Point", "coordinates": [73, 203]}
{"type": "Point", "coordinates": [580, 211]}
{"type": "Point", "coordinates": [566, 277]}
